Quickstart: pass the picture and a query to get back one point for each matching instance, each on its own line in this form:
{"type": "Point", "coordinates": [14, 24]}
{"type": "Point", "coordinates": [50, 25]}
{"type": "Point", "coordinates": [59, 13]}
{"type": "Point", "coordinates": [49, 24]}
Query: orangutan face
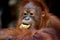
{"type": "Point", "coordinates": [30, 14]}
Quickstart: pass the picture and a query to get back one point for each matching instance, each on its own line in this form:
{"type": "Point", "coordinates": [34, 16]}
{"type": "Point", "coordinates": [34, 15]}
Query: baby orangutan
{"type": "Point", "coordinates": [34, 23]}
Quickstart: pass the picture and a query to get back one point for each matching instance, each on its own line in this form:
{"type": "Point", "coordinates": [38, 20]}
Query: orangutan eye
{"type": "Point", "coordinates": [31, 14]}
{"type": "Point", "coordinates": [25, 13]}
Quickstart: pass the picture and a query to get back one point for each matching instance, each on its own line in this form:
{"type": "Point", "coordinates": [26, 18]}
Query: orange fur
{"type": "Point", "coordinates": [48, 26]}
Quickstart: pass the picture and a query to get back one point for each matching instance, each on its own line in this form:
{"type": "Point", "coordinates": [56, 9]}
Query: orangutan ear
{"type": "Point", "coordinates": [43, 13]}
{"type": "Point", "coordinates": [12, 2]}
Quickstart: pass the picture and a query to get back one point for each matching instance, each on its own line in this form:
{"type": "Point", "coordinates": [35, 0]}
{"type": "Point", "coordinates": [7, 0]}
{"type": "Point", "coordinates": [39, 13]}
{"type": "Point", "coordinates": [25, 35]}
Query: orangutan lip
{"type": "Point", "coordinates": [25, 24]}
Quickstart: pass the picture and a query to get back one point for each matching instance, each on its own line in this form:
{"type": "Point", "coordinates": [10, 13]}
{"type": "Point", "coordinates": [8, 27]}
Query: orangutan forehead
{"type": "Point", "coordinates": [30, 6]}
{"type": "Point", "coordinates": [29, 11]}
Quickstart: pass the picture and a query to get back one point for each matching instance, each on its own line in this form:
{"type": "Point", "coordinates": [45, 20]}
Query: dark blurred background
{"type": "Point", "coordinates": [6, 17]}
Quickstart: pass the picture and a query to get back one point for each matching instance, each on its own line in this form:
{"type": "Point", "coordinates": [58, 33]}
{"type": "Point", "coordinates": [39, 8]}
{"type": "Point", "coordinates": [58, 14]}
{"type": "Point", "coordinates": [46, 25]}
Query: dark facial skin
{"type": "Point", "coordinates": [30, 14]}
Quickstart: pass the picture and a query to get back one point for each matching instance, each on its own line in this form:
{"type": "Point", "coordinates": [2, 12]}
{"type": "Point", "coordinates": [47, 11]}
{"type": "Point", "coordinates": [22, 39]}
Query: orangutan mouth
{"type": "Point", "coordinates": [24, 26]}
